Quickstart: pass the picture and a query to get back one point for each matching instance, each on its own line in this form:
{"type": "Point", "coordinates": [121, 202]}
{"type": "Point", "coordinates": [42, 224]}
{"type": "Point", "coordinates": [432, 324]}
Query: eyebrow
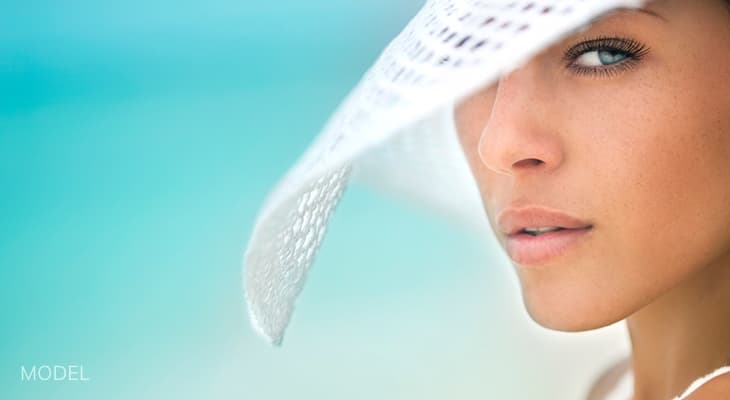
{"type": "Point", "coordinates": [643, 10]}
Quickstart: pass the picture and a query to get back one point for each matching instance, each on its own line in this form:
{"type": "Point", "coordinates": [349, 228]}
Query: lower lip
{"type": "Point", "coordinates": [528, 250]}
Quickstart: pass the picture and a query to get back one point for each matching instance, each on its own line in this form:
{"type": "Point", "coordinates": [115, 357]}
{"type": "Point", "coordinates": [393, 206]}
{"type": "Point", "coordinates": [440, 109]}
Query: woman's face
{"type": "Point", "coordinates": [625, 126]}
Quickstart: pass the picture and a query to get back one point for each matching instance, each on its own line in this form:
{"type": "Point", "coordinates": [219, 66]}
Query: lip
{"type": "Point", "coordinates": [526, 249]}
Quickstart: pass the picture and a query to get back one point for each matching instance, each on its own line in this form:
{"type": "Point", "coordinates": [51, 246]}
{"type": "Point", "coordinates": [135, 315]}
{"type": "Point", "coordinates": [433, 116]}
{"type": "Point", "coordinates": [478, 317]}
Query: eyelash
{"type": "Point", "coordinates": [633, 50]}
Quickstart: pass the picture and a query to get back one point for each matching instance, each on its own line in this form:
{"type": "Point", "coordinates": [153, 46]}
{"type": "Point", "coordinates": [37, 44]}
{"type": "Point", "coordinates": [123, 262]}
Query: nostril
{"type": "Point", "coordinates": [528, 162]}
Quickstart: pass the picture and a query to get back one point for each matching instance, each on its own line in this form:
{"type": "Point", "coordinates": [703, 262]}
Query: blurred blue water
{"type": "Point", "coordinates": [137, 142]}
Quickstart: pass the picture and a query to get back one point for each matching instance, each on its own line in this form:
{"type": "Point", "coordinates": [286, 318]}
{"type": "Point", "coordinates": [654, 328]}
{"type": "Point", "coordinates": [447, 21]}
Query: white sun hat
{"type": "Point", "coordinates": [395, 130]}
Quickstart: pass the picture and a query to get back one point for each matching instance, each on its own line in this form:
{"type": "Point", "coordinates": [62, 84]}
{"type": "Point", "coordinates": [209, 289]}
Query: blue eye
{"type": "Point", "coordinates": [604, 56]}
{"type": "Point", "coordinates": [599, 58]}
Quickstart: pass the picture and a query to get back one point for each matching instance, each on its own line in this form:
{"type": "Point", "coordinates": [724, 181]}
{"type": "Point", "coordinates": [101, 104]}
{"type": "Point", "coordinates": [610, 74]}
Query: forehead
{"type": "Point", "coordinates": [670, 10]}
{"type": "Point", "coordinates": [671, 15]}
{"type": "Point", "coordinates": [651, 19]}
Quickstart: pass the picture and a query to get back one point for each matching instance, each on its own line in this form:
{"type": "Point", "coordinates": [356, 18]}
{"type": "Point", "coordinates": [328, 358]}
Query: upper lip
{"type": "Point", "coordinates": [513, 220]}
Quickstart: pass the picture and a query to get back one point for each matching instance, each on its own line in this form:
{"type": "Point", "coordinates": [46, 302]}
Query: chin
{"type": "Point", "coordinates": [569, 309]}
{"type": "Point", "coordinates": [571, 323]}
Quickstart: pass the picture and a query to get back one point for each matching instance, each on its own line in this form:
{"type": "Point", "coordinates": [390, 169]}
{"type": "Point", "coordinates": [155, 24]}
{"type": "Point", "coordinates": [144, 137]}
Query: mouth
{"type": "Point", "coordinates": [538, 234]}
{"type": "Point", "coordinates": [539, 231]}
{"type": "Point", "coordinates": [538, 246]}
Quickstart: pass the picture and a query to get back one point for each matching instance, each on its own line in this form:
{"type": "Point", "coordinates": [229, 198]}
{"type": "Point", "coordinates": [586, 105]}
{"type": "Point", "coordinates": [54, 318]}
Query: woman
{"type": "Point", "coordinates": [601, 163]}
{"type": "Point", "coordinates": [621, 133]}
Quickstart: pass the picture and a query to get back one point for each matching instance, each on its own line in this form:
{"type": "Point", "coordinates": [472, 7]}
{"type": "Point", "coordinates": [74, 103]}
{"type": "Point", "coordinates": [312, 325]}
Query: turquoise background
{"type": "Point", "coordinates": [138, 140]}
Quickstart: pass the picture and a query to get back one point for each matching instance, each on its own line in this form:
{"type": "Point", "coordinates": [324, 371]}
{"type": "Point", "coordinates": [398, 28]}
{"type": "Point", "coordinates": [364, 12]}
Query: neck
{"type": "Point", "coordinates": [682, 335]}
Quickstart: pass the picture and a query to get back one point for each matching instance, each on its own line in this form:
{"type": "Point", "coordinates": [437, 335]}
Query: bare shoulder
{"type": "Point", "coordinates": [717, 388]}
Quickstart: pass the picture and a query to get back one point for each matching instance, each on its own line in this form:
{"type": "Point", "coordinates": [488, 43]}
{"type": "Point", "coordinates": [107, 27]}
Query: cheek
{"type": "Point", "coordinates": [658, 190]}
{"type": "Point", "coordinates": [660, 173]}
{"type": "Point", "coordinates": [470, 119]}
{"type": "Point", "coordinates": [468, 129]}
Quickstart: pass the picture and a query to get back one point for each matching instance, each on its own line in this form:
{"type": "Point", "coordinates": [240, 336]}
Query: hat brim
{"type": "Point", "coordinates": [395, 130]}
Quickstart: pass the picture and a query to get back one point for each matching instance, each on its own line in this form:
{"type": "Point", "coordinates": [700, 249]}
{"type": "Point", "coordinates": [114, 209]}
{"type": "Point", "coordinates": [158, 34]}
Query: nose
{"type": "Point", "coordinates": [520, 136]}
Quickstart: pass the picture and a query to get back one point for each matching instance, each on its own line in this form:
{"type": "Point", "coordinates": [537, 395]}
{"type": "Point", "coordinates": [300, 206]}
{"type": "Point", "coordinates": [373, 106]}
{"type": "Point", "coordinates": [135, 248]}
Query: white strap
{"type": "Point", "coordinates": [701, 381]}
{"type": "Point", "coordinates": [624, 388]}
